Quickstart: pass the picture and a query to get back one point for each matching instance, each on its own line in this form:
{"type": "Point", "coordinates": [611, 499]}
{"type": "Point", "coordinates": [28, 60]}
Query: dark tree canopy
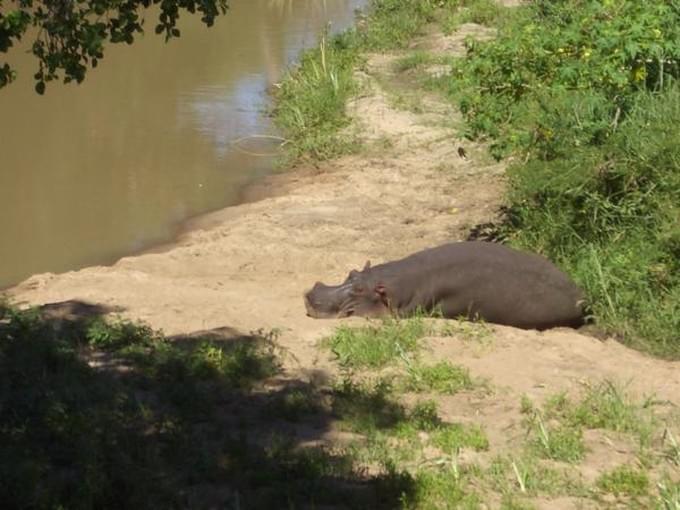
{"type": "Point", "coordinates": [70, 34]}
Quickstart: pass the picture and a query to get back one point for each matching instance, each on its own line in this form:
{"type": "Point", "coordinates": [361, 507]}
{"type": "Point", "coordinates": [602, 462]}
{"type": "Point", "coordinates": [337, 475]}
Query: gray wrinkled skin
{"type": "Point", "coordinates": [467, 279]}
{"type": "Point", "coordinates": [355, 296]}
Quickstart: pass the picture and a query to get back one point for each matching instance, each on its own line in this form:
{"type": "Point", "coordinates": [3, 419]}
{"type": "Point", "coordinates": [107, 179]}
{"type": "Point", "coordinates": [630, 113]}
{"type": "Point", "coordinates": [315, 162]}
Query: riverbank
{"type": "Point", "coordinates": [408, 190]}
{"type": "Point", "coordinates": [527, 425]}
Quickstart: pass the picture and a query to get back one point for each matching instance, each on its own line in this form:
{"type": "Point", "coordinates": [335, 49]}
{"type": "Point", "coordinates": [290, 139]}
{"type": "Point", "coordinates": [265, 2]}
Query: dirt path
{"type": "Point", "coordinates": [246, 267]}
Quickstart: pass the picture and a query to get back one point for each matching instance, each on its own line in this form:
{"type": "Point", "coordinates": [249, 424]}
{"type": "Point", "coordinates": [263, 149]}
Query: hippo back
{"type": "Point", "coordinates": [486, 280]}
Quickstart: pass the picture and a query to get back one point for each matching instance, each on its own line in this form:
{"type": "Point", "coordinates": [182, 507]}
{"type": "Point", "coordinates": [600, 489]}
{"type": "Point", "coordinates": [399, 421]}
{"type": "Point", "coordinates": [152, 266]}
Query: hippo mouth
{"type": "Point", "coordinates": [326, 301]}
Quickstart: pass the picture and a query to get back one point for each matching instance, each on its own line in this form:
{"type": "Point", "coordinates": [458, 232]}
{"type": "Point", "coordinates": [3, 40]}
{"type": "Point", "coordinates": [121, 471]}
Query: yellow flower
{"type": "Point", "coordinates": [639, 73]}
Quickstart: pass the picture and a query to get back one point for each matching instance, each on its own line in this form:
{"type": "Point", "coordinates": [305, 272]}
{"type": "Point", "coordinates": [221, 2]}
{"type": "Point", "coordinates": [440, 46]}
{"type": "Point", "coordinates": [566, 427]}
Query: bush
{"type": "Point", "coordinates": [586, 92]}
{"type": "Point", "coordinates": [614, 48]}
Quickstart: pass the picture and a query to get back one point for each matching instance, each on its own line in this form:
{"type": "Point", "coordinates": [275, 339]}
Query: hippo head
{"type": "Point", "coordinates": [360, 294]}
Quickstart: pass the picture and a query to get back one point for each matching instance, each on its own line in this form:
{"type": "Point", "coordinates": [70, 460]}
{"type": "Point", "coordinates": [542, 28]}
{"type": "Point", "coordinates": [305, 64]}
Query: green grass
{"type": "Point", "coordinates": [406, 101]}
{"type": "Point", "coordinates": [605, 406]}
{"type": "Point", "coordinates": [557, 429]}
{"type": "Point", "coordinates": [390, 24]}
{"type": "Point", "coordinates": [624, 480]}
{"type": "Point", "coordinates": [161, 423]}
{"type": "Point", "coordinates": [672, 452]}
{"type": "Point", "coordinates": [472, 331]}
{"type": "Point", "coordinates": [453, 437]}
{"type": "Point", "coordinates": [163, 414]}
{"type": "Point", "coordinates": [296, 404]}
{"type": "Point", "coordinates": [528, 475]}
{"type": "Point", "coordinates": [394, 436]}
{"type": "Point", "coordinates": [366, 408]}
{"type": "Point", "coordinates": [482, 12]}
{"type": "Point", "coordinates": [586, 94]}
{"type": "Point", "coordinates": [434, 490]}
{"type": "Point", "coordinates": [442, 377]}
{"type": "Point", "coordinates": [669, 495]}
{"type": "Point", "coordinates": [377, 344]}
{"type": "Point", "coordinates": [310, 102]}
{"type": "Point", "coordinates": [412, 61]}
{"type": "Point", "coordinates": [510, 502]}
{"type": "Point", "coordinates": [562, 443]}
{"type": "Point", "coordinates": [115, 334]}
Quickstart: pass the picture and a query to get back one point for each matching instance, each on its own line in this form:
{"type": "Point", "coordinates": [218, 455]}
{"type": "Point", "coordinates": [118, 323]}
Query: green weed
{"type": "Point", "coordinates": [235, 366]}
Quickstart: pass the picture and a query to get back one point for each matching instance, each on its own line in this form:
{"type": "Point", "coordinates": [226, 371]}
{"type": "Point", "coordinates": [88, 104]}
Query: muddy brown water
{"type": "Point", "coordinates": [92, 172]}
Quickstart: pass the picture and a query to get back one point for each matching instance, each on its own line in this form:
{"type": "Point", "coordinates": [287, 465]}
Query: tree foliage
{"type": "Point", "coordinates": [70, 34]}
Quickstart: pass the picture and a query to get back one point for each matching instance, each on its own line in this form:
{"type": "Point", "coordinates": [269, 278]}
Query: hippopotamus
{"type": "Point", "coordinates": [472, 279]}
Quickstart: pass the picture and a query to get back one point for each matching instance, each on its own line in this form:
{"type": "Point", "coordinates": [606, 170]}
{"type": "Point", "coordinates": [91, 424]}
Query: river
{"type": "Point", "coordinates": [92, 172]}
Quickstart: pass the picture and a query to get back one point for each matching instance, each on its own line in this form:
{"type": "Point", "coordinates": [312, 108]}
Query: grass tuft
{"type": "Point", "coordinates": [442, 377]}
{"type": "Point", "coordinates": [311, 99]}
{"type": "Point", "coordinates": [624, 480]}
{"type": "Point", "coordinates": [453, 437]}
{"type": "Point", "coordinates": [669, 495]}
{"type": "Point", "coordinates": [563, 443]}
{"type": "Point", "coordinates": [482, 12]}
{"type": "Point", "coordinates": [376, 345]}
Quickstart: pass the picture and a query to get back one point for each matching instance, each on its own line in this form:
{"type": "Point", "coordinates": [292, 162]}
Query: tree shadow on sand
{"type": "Point", "coordinates": [111, 414]}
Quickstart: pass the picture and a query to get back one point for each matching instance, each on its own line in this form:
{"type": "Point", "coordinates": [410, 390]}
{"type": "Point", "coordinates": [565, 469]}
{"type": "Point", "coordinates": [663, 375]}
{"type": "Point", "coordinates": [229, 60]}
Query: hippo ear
{"type": "Point", "coordinates": [367, 265]}
{"type": "Point", "coordinates": [381, 291]}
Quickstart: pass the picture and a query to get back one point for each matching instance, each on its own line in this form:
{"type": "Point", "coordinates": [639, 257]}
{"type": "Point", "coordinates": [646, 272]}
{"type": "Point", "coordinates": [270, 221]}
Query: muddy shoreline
{"type": "Point", "coordinates": [268, 186]}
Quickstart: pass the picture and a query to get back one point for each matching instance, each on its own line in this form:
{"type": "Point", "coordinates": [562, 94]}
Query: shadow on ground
{"type": "Point", "coordinates": [110, 414]}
